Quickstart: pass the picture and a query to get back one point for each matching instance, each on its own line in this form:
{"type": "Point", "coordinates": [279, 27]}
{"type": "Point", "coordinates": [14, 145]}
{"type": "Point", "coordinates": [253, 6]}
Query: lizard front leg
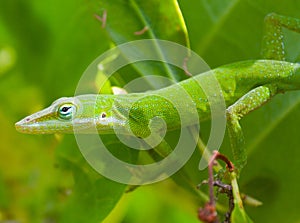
{"type": "Point", "coordinates": [273, 44]}
{"type": "Point", "coordinates": [249, 102]}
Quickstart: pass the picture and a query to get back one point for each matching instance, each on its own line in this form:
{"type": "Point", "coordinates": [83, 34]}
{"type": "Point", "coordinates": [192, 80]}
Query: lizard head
{"type": "Point", "coordinates": [81, 114]}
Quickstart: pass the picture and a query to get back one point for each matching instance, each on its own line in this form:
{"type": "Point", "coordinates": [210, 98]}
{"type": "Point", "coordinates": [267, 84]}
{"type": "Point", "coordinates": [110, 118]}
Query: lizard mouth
{"type": "Point", "coordinates": [29, 125]}
{"type": "Point", "coordinates": [24, 125]}
{"type": "Point", "coordinates": [35, 123]}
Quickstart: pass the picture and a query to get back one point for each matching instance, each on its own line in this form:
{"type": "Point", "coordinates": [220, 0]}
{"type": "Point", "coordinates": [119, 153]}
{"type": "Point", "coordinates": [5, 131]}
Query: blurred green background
{"type": "Point", "coordinates": [45, 46]}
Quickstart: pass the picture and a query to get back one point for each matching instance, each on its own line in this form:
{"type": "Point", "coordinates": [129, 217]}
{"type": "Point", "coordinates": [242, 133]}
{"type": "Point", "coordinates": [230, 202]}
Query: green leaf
{"type": "Point", "coordinates": [235, 33]}
{"type": "Point", "coordinates": [129, 20]}
{"type": "Point", "coordinates": [91, 189]}
{"type": "Point", "coordinates": [54, 44]}
{"type": "Point", "coordinates": [126, 17]}
{"type": "Point", "coordinates": [232, 31]}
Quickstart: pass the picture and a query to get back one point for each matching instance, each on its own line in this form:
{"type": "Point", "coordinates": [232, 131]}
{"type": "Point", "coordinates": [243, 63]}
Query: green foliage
{"type": "Point", "coordinates": [44, 48]}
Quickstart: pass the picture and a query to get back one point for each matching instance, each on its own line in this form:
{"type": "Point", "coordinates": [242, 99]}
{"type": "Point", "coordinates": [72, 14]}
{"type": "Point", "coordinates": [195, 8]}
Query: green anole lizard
{"type": "Point", "coordinates": [246, 86]}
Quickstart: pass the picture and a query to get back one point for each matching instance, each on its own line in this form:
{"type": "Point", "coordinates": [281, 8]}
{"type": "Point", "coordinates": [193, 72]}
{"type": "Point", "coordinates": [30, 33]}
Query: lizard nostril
{"type": "Point", "coordinates": [27, 119]}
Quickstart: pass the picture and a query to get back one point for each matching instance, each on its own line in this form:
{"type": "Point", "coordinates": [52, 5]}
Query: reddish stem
{"type": "Point", "coordinates": [186, 71]}
{"type": "Point", "coordinates": [140, 32]}
{"type": "Point", "coordinates": [102, 19]}
{"type": "Point", "coordinates": [208, 213]}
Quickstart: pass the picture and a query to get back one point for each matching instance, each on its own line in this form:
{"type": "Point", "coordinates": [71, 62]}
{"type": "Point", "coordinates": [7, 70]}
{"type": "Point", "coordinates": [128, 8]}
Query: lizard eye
{"type": "Point", "coordinates": [103, 115]}
{"type": "Point", "coordinates": [66, 111]}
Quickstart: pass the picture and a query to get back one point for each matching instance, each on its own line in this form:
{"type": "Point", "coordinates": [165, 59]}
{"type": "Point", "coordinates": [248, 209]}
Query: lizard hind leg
{"type": "Point", "coordinates": [273, 40]}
